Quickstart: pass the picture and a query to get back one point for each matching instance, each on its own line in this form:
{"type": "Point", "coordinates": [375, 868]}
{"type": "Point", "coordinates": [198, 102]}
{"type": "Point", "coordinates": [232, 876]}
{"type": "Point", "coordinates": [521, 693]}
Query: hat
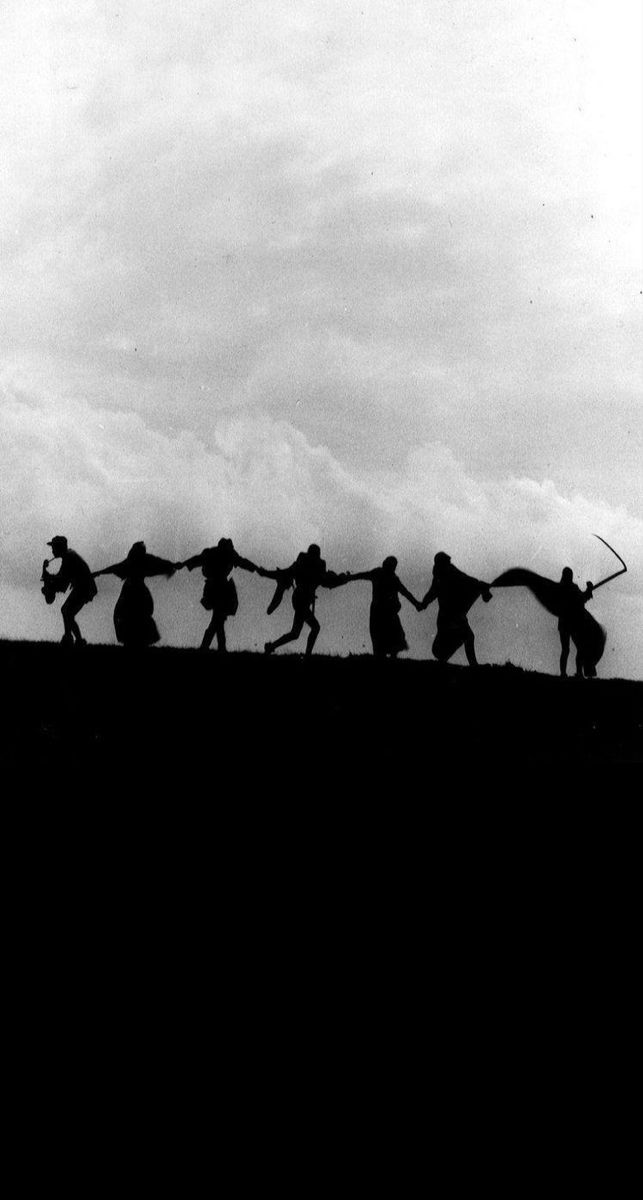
{"type": "Point", "coordinates": [58, 540]}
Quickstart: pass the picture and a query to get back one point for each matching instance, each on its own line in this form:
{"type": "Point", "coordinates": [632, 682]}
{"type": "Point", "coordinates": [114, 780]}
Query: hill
{"type": "Point", "coordinates": [176, 713]}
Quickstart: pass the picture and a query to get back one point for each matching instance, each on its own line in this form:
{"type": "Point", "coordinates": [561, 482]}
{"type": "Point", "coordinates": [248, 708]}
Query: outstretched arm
{"type": "Point", "coordinates": [246, 565]}
{"type": "Point", "coordinates": [115, 569]}
{"type": "Point", "coordinates": [429, 598]}
{"type": "Point", "coordinates": [190, 563]}
{"type": "Point", "coordinates": [281, 574]}
{"type": "Point", "coordinates": [351, 576]}
{"type": "Point", "coordinates": [407, 596]}
{"type": "Point", "coordinates": [333, 579]}
{"type": "Point", "coordinates": [158, 566]}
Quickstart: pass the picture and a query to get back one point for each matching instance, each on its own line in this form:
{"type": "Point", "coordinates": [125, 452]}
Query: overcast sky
{"type": "Point", "coordinates": [360, 273]}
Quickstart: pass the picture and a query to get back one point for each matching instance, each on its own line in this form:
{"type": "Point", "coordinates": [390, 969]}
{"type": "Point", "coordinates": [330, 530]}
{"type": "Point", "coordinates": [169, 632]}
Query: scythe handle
{"type": "Point", "coordinates": [608, 577]}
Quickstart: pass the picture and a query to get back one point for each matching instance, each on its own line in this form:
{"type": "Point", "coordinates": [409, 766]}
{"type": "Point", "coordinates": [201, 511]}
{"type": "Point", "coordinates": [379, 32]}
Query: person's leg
{"type": "Point", "coordinates": [70, 610]}
{"type": "Point", "coordinates": [292, 636]}
{"type": "Point", "coordinates": [209, 635]}
{"type": "Point", "coordinates": [314, 633]}
{"type": "Point", "coordinates": [564, 651]}
{"type": "Point", "coordinates": [221, 642]}
{"type": "Point", "coordinates": [470, 647]}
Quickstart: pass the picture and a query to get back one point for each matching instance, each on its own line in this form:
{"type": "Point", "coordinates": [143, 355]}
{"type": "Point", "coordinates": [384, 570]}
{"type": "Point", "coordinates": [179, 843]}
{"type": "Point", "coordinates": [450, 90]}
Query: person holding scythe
{"type": "Point", "coordinates": [566, 601]}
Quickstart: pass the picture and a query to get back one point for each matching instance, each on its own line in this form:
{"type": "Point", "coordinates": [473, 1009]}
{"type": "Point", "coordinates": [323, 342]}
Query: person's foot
{"type": "Point", "coordinates": [268, 648]}
{"type": "Point", "coordinates": [66, 640]}
{"type": "Point", "coordinates": [81, 641]}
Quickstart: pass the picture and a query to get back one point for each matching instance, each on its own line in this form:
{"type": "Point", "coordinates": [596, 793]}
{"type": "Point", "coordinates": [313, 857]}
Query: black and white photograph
{"type": "Point", "coordinates": [321, 419]}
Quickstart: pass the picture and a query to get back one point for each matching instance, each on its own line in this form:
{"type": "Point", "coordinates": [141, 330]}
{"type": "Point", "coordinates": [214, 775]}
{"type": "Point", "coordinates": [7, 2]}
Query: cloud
{"type": "Point", "coordinates": [113, 478]}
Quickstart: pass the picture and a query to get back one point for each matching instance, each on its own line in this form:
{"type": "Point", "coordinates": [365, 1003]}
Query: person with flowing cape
{"type": "Point", "coordinates": [455, 593]}
{"type": "Point", "coordinates": [134, 612]}
{"type": "Point", "coordinates": [566, 601]}
{"type": "Point", "coordinates": [385, 626]}
{"type": "Point", "coordinates": [74, 574]}
{"type": "Point", "coordinates": [219, 593]}
{"type": "Point", "coordinates": [305, 575]}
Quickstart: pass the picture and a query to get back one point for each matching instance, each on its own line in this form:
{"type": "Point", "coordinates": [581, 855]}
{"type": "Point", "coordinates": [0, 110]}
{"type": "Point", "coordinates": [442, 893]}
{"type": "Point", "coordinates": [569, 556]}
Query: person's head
{"type": "Point", "coordinates": [441, 562]}
{"type": "Point", "coordinates": [58, 545]}
{"type": "Point", "coordinates": [136, 552]}
{"type": "Point", "coordinates": [225, 544]}
{"type": "Point", "coordinates": [567, 575]}
{"type": "Point", "coordinates": [389, 564]}
{"type": "Point", "coordinates": [314, 551]}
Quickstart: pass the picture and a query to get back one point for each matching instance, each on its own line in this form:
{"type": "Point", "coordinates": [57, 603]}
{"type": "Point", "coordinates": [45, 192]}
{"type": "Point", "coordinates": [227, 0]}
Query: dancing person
{"type": "Point", "coordinates": [565, 600]}
{"type": "Point", "coordinates": [307, 573]}
{"type": "Point", "coordinates": [134, 612]}
{"type": "Point", "coordinates": [74, 573]}
{"type": "Point", "coordinates": [385, 626]}
{"type": "Point", "coordinates": [455, 593]}
{"type": "Point", "coordinates": [219, 593]}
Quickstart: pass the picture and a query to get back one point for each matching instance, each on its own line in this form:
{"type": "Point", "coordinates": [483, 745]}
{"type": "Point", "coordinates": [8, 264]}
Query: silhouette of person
{"type": "Point", "coordinates": [133, 615]}
{"type": "Point", "coordinates": [74, 573]}
{"type": "Point", "coordinates": [455, 593]}
{"type": "Point", "coordinates": [572, 611]}
{"type": "Point", "coordinates": [219, 594]}
{"type": "Point", "coordinates": [565, 600]}
{"type": "Point", "coordinates": [385, 626]}
{"type": "Point", "coordinates": [307, 573]}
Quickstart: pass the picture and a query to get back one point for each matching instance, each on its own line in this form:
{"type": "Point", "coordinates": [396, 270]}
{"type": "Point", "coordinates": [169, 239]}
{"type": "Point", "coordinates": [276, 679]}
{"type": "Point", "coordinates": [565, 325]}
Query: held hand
{"type": "Point", "coordinates": [486, 595]}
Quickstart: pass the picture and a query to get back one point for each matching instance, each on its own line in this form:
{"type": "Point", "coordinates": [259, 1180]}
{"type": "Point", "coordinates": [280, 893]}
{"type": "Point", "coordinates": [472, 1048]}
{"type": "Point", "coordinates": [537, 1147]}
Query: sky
{"type": "Point", "coordinates": [358, 273]}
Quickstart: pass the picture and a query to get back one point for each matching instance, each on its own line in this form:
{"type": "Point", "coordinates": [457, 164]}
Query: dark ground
{"type": "Point", "coordinates": [228, 875]}
{"type": "Point", "coordinates": [294, 724]}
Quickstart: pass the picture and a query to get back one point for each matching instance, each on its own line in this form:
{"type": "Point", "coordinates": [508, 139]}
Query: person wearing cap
{"type": "Point", "coordinates": [74, 574]}
{"type": "Point", "coordinates": [219, 593]}
{"type": "Point", "coordinates": [455, 593]}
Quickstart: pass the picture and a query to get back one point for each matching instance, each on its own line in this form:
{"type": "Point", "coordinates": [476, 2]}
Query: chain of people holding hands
{"type": "Point", "coordinates": [454, 590]}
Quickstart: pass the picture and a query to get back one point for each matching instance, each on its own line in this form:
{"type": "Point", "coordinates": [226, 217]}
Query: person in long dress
{"type": "Point", "coordinates": [134, 612]}
{"type": "Point", "coordinates": [385, 626]}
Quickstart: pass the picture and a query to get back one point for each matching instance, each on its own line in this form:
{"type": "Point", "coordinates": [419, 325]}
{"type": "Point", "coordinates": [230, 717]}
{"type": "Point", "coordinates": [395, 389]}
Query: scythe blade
{"type": "Point", "coordinates": [616, 573]}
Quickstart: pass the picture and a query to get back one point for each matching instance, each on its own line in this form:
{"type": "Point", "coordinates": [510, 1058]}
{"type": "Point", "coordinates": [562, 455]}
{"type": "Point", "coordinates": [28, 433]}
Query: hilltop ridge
{"type": "Point", "coordinates": [181, 708]}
